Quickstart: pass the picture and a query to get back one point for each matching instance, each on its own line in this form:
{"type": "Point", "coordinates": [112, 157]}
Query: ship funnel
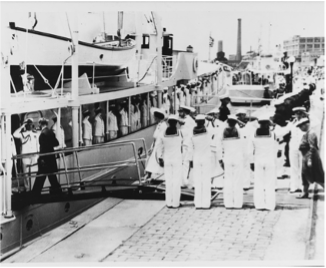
{"type": "Point", "coordinates": [220, 46]}
{"type": "Point", "coordinates": [239, 41]}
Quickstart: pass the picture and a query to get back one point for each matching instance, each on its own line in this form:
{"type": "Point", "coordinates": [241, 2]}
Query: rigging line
{"type": "Point", "coordinates": [72, 41]}
{"type": "Point", "coordinates": [147, 69]}
{"type": "Point", "coordinates": [44, 78]}
{"type": "Point", "coordinates": [154, 22]}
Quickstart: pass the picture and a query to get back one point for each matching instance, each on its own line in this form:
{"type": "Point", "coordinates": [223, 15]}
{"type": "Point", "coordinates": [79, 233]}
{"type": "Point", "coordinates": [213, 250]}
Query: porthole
{"type": "Point", "coordinates": [29, 224]}
{"type": "Point", "coordinates": [67, 207]}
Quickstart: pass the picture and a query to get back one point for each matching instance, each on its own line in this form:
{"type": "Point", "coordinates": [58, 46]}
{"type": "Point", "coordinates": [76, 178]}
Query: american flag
{"type": "Point", "coordinates": [211, 41]}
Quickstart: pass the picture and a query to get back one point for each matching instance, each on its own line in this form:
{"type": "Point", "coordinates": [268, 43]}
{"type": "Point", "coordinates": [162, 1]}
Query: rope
{"type": "Point", "coordinates": [72, 41]}
{"type": "Point", "coordinates": [147, 69]}
{"type": "Point", "coordinates": [44, 78]}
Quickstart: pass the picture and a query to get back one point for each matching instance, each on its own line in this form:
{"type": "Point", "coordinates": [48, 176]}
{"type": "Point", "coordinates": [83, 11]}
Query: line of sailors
{"type": "Point", "coordinates": [193, 153]}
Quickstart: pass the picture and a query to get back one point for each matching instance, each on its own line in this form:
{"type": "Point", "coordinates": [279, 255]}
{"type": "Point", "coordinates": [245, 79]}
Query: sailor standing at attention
{"type": "Point", "coordinates": [98, 127]}
{"type": "Point", "coordinates": [113, 124]}
{"type": "Point", "coordinates": [187, 126]}
{"type": "Point", "coordinates": [265, 149]}
{"type": "Point", "coordinates": [152, 165]}
{"type": "Point", "coordinates": [170, 158]}
{"type": "Point", "coordinates": [200, 159]}
{"type": "Point", "coordinates": [233, 158]}
{"type": "Point", "coordinates": [87, 129]}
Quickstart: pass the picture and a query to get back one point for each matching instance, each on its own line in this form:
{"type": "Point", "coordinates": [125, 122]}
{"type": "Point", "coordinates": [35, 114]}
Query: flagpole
{"type": "Point", "coordinates": [209, 46]}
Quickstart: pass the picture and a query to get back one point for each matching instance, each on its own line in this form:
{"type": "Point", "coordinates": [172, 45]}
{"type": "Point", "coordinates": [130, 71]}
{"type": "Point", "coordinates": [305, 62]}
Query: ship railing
{"type": "Point", "coordinates": [77, 168]}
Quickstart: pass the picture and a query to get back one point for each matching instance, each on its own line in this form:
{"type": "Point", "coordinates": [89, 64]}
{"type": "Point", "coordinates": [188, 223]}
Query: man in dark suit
{"type": "Point", "coordinates": [47, 163]}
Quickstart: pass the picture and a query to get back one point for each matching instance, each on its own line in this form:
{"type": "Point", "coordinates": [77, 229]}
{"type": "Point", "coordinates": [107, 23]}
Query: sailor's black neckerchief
{"type": "Point", "coordinates": [171, 131]}
{"type": "Point", "coordinates": [199, 130]}
{"type": "Point", "coordinates": [263, 132]}
{"type": "Point", "coordinates": [230, 133]}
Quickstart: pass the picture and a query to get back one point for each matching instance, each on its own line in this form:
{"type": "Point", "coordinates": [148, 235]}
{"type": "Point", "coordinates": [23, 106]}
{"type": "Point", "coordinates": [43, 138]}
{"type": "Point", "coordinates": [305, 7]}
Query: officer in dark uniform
{"type": "Point", "coordinates": [47, 163]}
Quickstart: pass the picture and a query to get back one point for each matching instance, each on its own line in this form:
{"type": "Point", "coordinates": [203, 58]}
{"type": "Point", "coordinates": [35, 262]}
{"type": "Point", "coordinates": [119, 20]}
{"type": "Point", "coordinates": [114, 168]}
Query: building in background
{"type": "Point", "coordinates": [315, 46]}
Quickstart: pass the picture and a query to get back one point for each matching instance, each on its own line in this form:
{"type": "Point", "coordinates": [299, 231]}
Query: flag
{"type": "Point", "coordinates": [211, 41]}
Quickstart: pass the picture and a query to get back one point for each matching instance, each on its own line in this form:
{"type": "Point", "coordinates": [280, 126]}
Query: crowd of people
{"type": "Point", "coordinates": [192, 150]}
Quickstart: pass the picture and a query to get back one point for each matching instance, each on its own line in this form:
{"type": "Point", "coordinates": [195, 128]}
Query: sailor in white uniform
{"type": "Point", "coordinates": [294, 152]}
{"type": "Point", "coordinates": [233, 158]}
{"type": "Point", "coordinates": [98, 126]}
{"type": "Point", "coordinates": [265, 149]}
{"type": "Point", "coordinates": [87, 129]}
{"type": "Point", "coordinates": [113, 124]}
{"type": "Point", "coordinates": [144, 114]}
{"type": "Point", "coordinates": [187, 124]}
{"type": "Point", "coordinates": [29, 140]}
{"type": "Point", "coordinates": [215, 126]}
{"type": "Point", "coordinates": [247, 173]}
{"type": "Point", "coordinates": [170, 158]}
{"type": "Point", "coordinates": [166, 101]}
{"type": "Point", "coordinates": [152, 165]}
{"type": "Point", "coordinates": [124, 121]}
{"type": "Point", "coordinates": [200, 157]}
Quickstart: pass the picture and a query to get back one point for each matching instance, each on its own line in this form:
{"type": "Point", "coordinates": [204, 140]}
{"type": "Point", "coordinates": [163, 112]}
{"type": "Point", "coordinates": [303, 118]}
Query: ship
{"type": "Point", "coordinates": [87, 174]}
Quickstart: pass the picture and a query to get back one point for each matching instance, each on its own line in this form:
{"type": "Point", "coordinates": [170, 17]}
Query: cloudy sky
{"type": "Point", "coordinates": [192, 22]}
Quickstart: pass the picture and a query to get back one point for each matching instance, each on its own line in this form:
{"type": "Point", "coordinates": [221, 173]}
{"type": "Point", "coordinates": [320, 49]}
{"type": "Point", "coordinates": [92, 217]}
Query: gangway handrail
{"type": "Point", "coordinates": [84, 148]}
{"type": "Point", "coordinates": [131, 162]}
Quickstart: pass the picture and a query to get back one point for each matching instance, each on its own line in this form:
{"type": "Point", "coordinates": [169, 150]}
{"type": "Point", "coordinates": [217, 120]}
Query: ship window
{"type": "Point", "coordinates": [317, 45]}
{"type": "Point", "coordinates": [302, 46]}
{"type": "Point", "coordinates": [170, 44]}
{"type": "Point", "coordinates": [302, 40]}
{"type": "Point", "coordinates": [309, 46]}
{"type": "Point", "coordinates": [310, 40]}
{"type": "Point", "coordinates": [317, 40]}
{"type": "Point", "coordinates": [145, 41]}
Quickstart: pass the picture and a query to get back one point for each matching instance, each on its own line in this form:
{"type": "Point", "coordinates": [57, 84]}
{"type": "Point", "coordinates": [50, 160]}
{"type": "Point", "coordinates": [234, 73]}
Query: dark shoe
{"type": "Point", "coordinates": [296, 191]}
{"type": "Point", "coordinates": [304, 196]}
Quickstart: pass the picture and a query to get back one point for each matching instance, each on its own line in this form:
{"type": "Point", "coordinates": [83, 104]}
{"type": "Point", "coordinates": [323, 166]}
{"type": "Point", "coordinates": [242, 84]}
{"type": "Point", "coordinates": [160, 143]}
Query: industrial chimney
{"type": "Point", "coordinates": [220, 46]}
{"type": "Point", "coordinates": [239, 41]}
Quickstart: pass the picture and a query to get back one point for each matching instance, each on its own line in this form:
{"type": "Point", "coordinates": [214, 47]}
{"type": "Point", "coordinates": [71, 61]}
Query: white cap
{"type": "Point", "coordinates": [165, 88]}
{"type": "Point", "coordinates": [184, 107]}
{"type": "Point", "coordinates": [158, 110]}
{"type": "Point", "coordinates": [224, 96]}
{"type": "Point", "coordinates": [302, 121]}
{"type": "Point", "coordinates": [241, 111]}
{"type": "Point", "coordinates": [303, 109]}
{"type": "Point", "coordinates": [28, 120]}
{"type": "Point", "coordinates": [266, 86]}
{"type": "Point", "coordinates": [200, 117]}
{"type": "Point", "coordinates": [233, 117]}
{"type": "Point", "coordinates": [173, 117]}
{"type": "Point", "coordinates": [264, 117]}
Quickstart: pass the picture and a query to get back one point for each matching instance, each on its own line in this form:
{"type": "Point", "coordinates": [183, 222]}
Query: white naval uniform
{"type": "Point", "coordinates": [265, 152]}
{"type": "Point", "coordinates": [188, 97]}
{"type": "Point", "coordinates": [166, 103]}
{"type": "Point", "coordinates": [124, 122]}
{"type": "Point", "coordinates": [98, 130]}
{"type": "Point", "coordinates": [199, 152]}
{"type": "Point", "coordinates": [295, 156]}
{"type": "Point", "coordinates": [87, 132]}
{"type": "Point", "coordinates": [169, 149]}
{"type": "Point", "coordinates": [216, 152]}
{"type": "Point", "coordinates": [233, 158]}
{"type": "Point", "coordinates": [182, 97]}
{"type": "Point", "coordinates": [144, 115]}
{"type": "Point", "coordinates": [187, 130]}
{"type": "Point", "coordinates": [152, 164]}
{"type": "Point", "coordinates": [113, 126]}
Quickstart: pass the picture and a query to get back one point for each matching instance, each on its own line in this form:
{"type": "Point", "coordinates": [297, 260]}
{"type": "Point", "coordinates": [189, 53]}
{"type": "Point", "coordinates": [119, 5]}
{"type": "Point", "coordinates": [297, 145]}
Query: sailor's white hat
{"type": "Point", "coordinates": [263, 118]}
{"type": "Point", "coordinates": [241, 111]}
{"type": "Point", "coordinates": [265, 86]}
{"type": "Point", "coordinates": [173, 117]}
{"type": "Point", "coordinates": [28, 120]}
{"type": "Point", "coordinates": [224, 96]}
{"type": "Point", "coordinates": [158, 110]}
{"type": "Point", "coordinates": [200, 117]}
{"type": "Point", "coordinates": [43, 120]}
{"type": "Point", "coordinates": [165, 88]}
{"type": "Point", "coordinates": [184, 107]}
{"type": "Point", "coordinates": [233, 117]}
{"type": "Point", "coordinates": [302, 121]}
{"type": "Point", "coordinates": [303, 109]}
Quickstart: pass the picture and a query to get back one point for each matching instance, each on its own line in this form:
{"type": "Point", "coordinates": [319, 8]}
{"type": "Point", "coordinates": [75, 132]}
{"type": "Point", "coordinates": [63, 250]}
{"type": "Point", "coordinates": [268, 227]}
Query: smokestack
{"type": "Point", "coordinates": [239, 41]}
{"type": "Point", "coordinates": [220, 46]}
